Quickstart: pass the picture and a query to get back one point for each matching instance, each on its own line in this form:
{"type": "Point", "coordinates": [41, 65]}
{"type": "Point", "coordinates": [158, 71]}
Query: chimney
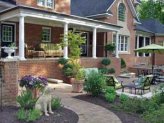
{"type": "Point", "coordinates": [63, 6]}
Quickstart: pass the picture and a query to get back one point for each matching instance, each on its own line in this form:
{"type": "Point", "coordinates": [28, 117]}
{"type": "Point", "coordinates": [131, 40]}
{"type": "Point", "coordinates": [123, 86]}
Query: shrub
{"type": "Point", "coordinates": [155, 116]}
{"type": "Point", "coordinates": [33, 115]}
{"type": "Point", "coordinates": [105, 62]}
{"type": "Point", "coordinates": [139, 105]}
{"type": "Point", "coordinates": [62, 61]}
{"type": "Point", "coordinates": [94, 83]}
{"type": "Point", "coordinates": [110, 47]}
{"type": "Point", "coordinates": [123, 64]}
{"type": "Point", "coordinates": [111, 70]}
{"type": "Point", "coordinates": [21, 114]}
{"type": "Point", "coordinates": [56, 103]}
{"type": "Point", "coordinates": [123, 98]}
{"type": "Point", "coordinates": [110, 94]}
{"type": "Point", "coordinates": [28, 115]}
{"type": "Point", "coordinates": [26, 100]}
{"type": "Point", "coordinates": [68, 70]}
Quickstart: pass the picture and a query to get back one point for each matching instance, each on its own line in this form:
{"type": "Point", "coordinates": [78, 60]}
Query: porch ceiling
{"type": "Point", "coordinates": [37, 16]}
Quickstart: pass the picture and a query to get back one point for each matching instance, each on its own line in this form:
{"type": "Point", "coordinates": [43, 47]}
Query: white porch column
{"type": "Point", "coordinates": [21, 38]}
{"type": "Point", "coordinates": [66, 47]}
{"type": "Point", "coordinates": [137, 44]}
{"type": "Point", "coordinates": [144, 44]}
{"type": "Point", "coordinates": [94, 42]}
{"type": "Point", "coordinates": [117, 38]}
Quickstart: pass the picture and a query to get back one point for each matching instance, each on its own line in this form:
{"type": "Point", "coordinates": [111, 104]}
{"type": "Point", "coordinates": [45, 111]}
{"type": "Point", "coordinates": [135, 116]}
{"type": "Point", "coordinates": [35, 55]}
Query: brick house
{"type": "Point", "coordinates": [30, 22]}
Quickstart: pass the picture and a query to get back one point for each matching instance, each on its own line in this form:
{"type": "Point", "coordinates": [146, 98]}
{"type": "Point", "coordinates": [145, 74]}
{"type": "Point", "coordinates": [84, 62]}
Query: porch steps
{"type": "Point", "coordinates": [52, 80]}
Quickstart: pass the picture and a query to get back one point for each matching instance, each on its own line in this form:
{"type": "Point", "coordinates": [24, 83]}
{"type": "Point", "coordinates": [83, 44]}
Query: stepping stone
{"type": "Point", "coordinates": [54, 80]}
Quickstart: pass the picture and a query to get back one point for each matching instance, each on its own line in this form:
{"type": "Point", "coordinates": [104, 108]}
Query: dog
{"type": "Point", "coordinates": [44, 101]}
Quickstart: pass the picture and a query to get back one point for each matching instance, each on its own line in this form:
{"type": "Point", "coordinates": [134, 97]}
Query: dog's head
{"type": "Point", "coordinates": [48, 90]}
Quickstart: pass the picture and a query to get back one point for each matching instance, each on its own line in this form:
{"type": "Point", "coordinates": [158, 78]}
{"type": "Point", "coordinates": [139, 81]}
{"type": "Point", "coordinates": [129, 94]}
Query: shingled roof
{"type": "Point", "coordinates": [9, 1]}
{"type": "Point", "coordinates": [86, 8]}
{"type": "Point", "coordinates": [151, 25]}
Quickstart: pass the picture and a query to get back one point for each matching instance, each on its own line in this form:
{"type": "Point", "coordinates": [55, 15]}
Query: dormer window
{"type": "Point", "coordinates": [46, 3]}
{"type": "Point", "coordinates": [121, 12]}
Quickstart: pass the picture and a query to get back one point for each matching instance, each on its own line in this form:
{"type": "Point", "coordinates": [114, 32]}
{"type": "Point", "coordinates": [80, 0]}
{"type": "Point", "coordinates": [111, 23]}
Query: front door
{"type": "Point", "coordinates": [7, 36]}
{"type": "Point", "coordinates": [84, 45]}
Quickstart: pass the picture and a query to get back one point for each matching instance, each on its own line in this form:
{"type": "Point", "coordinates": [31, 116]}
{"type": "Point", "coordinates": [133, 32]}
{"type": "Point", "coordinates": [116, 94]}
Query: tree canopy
{"type": "Point", "coordinates": [152, 9]}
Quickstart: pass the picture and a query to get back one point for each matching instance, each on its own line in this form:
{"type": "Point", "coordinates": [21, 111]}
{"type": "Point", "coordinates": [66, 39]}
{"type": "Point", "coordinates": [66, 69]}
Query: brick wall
{"type": "Point", "coordinates": [62, 6]}
{"type": "Point", "coordinates": [10, 83]}
{"type": "Point", "coordinates": [159, 58]}
{"type": "Point", "coordinates": [50, 68]}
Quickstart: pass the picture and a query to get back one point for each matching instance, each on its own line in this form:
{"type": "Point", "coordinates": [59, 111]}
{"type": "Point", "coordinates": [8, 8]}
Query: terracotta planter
{"type": "Point", "coordinates": [69, 80]}
{"type": "Point", "coordinates": [77, 86]}
{"type": "Point", "coordinates": [35, 92]}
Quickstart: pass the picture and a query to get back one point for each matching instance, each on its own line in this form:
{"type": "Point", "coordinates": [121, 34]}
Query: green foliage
{"type": "Point", "coordinates": [28, 115]}
{"type": "Point", "coordinates": [33, 115]}
{"type": "Point", "coordinates": [80, 74]}
{"type": "Point", "coordinates": [155, 116]}
{"type": "Point", "coordinates": [74, 41]}
{"type": "Point", "coordinates": [123, 64]}
{"type": "Point", "coordinates": [62, 61]}
{"type": "Point", "coordinates": [56, 103]}
{"type": "Point", "coordinates": [105, 62]}
{"type": "Point", "coordinates": [21, 114]}
{"type": "Point", "coordinates": [110, 94]}
{"type": "Point", "coordinates": [94, 83]}
{"type": "Point", "coordinates": [26, 100]}
{"type": "Point", "coordinates": [110, 47]}
{"type": "Point", "coordinates": [111, 70]}
{"type": "Point", "coordinates": [151, 9]}
{"type": "Point", "coordinates": [123, 98]}
{"type": "Point", "coordinates": [107, 70]}
{"type": "Point", "coordinates": [139, 105]}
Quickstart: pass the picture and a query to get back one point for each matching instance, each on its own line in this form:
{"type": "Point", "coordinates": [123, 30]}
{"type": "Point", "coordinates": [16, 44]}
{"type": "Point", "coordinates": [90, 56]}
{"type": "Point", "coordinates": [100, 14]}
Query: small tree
{"type": "Point", "coordinates": [110, 48]}
{"type": "Point", "coordinates": [74, 41]}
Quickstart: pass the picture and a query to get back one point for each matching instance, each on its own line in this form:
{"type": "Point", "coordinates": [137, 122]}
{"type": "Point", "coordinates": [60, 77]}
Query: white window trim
{"type": "Point", "coordinates": [45, 4]}
{"type": "Point", "coordinates": [50, 33]}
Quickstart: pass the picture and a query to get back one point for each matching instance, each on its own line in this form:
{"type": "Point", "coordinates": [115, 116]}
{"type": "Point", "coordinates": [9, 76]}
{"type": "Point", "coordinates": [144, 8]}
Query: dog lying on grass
{"type": "Point", "coordinates": [44, 101]}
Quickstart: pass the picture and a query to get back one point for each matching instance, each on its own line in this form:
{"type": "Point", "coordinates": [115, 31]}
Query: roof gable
{"type": "Point", "coordinates": [90, 7]}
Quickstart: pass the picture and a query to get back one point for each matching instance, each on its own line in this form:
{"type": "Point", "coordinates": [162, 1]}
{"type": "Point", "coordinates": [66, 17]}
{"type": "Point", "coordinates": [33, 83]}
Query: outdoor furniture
{"type": "Point", "coordinates": [52, 49]}
{"type": "Point", "coordinates": [143, 83]}
{"type": "Point", "coordinates": [112, 81]}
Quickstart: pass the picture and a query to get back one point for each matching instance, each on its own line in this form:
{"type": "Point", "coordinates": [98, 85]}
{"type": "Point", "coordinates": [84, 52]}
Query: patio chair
{"type": "Point", "coordinates": [112, 81]}
{"type": "Point", "coordinates": [143, 83]}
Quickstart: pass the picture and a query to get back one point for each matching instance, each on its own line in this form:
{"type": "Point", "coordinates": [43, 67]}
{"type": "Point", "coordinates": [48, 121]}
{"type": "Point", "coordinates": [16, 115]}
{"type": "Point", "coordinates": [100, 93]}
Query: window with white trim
{"type": "Point", "coordinates": [7, 33]}
{"type": "Point", "coordinates": [122, 43]}
{"type": "Point", "coordinates": [46, 34]}
{"type": "Point", "coordinates": [46, 3]}
{"type": "Point", "coordinates": [121, 12]}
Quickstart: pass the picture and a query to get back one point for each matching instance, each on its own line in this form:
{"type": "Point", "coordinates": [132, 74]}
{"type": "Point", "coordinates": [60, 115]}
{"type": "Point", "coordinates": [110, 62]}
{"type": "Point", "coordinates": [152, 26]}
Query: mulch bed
{"type": "Point", "coordinates": [124, 116]}
{"type": "Point", "coordinates": [62, 115]}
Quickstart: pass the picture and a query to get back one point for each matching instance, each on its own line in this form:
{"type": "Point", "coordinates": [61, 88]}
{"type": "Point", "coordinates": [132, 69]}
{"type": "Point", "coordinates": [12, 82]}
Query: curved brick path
{"type": "Point", "coordinates": [87, 112]}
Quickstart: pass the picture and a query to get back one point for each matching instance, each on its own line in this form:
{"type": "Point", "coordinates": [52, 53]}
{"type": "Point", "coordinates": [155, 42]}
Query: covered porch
{"type": "Point", "coordinates": [30, 24]}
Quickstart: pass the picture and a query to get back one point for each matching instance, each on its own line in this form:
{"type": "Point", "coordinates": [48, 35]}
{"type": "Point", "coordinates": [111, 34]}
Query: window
{"type": "Point", "coordinates": [161, 43]}
{"type": "Point", "coordinates": [121, 12]}
{"type": "Point", "coordinates": [7, 33]}
{"type": "Point", "coordinates": [141, 42]}
{"type": "Point", "coordinates": [46, 3]}
{"type": "Point", "coordinates": [122, 43]}
{"type": "Point", "coordinates": [46, 34]}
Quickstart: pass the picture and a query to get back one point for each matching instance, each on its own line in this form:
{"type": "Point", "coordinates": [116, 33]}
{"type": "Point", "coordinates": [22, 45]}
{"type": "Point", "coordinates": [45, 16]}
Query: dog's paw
{"type": "Point", "coordinates": [47, 114]}
{"type": "Point", "coordinates": [51, 112]}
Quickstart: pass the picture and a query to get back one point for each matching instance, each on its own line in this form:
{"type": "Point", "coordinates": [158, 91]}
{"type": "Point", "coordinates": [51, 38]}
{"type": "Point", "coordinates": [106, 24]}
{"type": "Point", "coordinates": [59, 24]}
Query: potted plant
{"type": "Point", "coordinates": [68, 72]}
{"type": "Point", "coordinates": [74, 41]}
{"type": "Point", "coordinates": [33, 84]}
{"type": "Point", "coordinates": [9, 50]}
{"type": "Point", "coordinates": [110, 48]}
{"type": "Point", "coordinates": [62, 62]}
{"type": "Point", "coordinates": [105, 62]}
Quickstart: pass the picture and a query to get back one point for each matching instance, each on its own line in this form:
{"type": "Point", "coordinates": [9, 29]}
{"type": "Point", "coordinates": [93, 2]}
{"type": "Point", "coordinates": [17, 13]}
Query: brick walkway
{"type": "Point", "coordinates": [87, 112]}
